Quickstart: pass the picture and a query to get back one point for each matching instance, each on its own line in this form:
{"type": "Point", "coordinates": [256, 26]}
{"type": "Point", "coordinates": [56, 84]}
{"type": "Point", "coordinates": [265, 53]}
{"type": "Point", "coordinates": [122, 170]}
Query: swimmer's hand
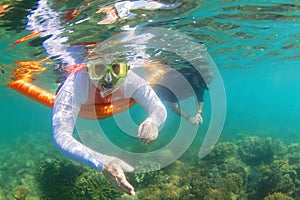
{"type": "Point", "coordinates": [148, 131]}
{"type": "Point", "coordinates": [114, 169]}
{"type": "Point", "coordinates": [197, 119]}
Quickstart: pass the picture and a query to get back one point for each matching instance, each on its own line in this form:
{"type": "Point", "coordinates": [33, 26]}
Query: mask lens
{"type": "Point", "coordinates": [120, 69]}
{"type": "Point", "coordinates": [96, 71]}
{"type": "Point", "coordinates": [99, 69]}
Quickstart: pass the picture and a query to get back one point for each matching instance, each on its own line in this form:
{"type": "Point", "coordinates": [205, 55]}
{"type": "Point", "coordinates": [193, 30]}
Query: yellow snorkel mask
{"type": "Point", "coordinates": [98, 71]}
{"type": "Point", "coordinates": [108, 77]}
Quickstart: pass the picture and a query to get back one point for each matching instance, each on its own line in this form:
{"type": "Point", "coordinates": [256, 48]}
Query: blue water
{"type": "Point", "coordinates": [254, 44]}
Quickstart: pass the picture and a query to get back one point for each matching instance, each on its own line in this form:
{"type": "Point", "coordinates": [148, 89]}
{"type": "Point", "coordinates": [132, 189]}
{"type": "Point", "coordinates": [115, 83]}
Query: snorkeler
{"type": "Point", "coordinates": [199, 81]}
{"type": "Point", "coordinates": [104, 81]}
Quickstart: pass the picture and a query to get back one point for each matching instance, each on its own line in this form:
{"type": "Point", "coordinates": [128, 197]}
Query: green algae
{"type": "Point", "coordinates": [278, 196]}
{"type": "Point", "coordinates": [230, 171]}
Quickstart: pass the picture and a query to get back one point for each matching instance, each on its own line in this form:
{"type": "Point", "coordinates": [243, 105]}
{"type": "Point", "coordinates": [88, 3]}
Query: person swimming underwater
{"type": "Point", "coordinates": [104, 81]}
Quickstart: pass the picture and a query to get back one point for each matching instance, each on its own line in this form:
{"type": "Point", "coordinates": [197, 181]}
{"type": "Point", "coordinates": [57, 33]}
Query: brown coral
{"type": "Point", "coordinates": [278, 196]}
{"type": "Point", "coordinates": [21, 192]}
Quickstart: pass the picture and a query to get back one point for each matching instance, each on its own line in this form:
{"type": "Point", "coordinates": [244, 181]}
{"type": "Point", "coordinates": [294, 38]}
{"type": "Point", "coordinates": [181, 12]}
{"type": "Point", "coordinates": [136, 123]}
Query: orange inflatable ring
{"type": "Point", "coordinates": [89, 111]}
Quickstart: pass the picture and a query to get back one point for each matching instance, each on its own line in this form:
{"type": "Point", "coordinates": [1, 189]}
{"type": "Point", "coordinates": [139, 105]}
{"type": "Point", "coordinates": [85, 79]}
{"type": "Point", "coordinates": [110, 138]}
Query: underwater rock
{"type": "Point", "coordinates": [165, 155]}
{"type": "Point", "coordinates": [64, 179]}
{"type": "Point", "coordinates": [165, 187]}
{"type": "Point", "coordinates": [278, 196]}
{"type": "Point", "coordinates": [148, 169]}
{"type": "Point", "coordinates": [93, 185]}
{"type": "Point", "coordinates": [216, 194]}
{"type": "Point", "coordinates": [254, 150]}
{"type": "Point", "coordinates": [223, 174]}
{"type": "Point", "coordinates": [279, 148]}
{"type": "Point", "coordinates": [178, 168]}
{"type": "Point", "coordinates": [56, 178]}
{"type": "Point", "coordinates": [21, 192]}
{"type": "Point", "coordinates": [222, 152]}
{"type": "Point", "coordinates": [234, 183]}
{"type": "Point", "coordinates": [128, 197]}
{"type": "Point", "coordinates": [229, 178]}
{"type": "Point", "coordinates": [294, 155]}
{"type": "Point", "coordinates": [276, 177]}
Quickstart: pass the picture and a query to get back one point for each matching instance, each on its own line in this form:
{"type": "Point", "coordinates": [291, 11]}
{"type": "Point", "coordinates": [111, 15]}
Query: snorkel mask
{"type": "Point", "coordinates": [110, 77]}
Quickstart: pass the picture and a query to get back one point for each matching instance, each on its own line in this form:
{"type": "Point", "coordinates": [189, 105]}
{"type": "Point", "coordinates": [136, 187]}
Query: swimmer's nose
{"type": "Point", "coordinates": [108, 77]}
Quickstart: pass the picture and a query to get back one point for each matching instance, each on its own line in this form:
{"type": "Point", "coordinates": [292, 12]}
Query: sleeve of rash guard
{"type": "Point", "coordinates": [145, 96]}
{"type": "Point", "coordinates": [65, 111]}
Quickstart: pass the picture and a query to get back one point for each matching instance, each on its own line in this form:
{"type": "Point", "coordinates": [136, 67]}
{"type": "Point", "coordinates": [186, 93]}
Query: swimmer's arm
{"type": "Point", "coordinates": [65, 111]}
{"type": "Point", "coordinates": [145, 96]}
{"type": "Point", "coordinates": [200, 107]}
{"type": "Point", "coordinates": [148, 130]}
{"type": "Point", "coordinates": [194, 120]}
{"type": "Point", "coordinates": [75, 150]}
{"type": "Point", "coordinates": [176, 108]}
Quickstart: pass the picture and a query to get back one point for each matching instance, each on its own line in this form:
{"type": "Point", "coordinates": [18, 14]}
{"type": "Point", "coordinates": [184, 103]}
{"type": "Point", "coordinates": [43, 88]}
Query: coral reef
{"type": "Point", "coordinates": [222, 152]}
{"type": "Point", "coordinates": [278, 196]}
{"type": "Point", "coordinates": [63, 179]}
{"type": "Point", "coordinates": [252, 168]}
{"type": "Point", "coordinates": [21, 192]}
{"type": "Point", "coordinates": [93, 185]}
{"type": "Point", "coordinates": [57, 177]}
{"type": "Point", "coordinates": [147, 170]}
{"type": "Point", "coordinates": [254, 150]}
{"type": "Point", "coordinates": [164, 186]}
{"type": "Point", "coordinates": [213, 181]}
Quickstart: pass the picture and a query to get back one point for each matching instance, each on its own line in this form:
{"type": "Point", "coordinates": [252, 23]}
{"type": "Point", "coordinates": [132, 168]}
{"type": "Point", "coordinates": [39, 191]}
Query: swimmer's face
{"type": "Point", "coordinates": [107, 78]}
{"type": "Point", "coordinates": [108, 84]}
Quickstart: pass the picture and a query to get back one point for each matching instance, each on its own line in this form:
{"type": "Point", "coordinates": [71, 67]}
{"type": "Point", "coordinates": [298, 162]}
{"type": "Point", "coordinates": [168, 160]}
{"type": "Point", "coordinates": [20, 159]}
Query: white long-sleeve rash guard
{"type": "Point", "coordinates": [74, 92]}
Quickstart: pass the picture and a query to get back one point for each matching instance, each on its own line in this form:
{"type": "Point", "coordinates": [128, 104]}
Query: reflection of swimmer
{"type": "Point", "coordinates": [121, 10]}
{"type": "Point", "coordinates": [198, 81]}
{"type": "Point", "coordinates": [103, 81]}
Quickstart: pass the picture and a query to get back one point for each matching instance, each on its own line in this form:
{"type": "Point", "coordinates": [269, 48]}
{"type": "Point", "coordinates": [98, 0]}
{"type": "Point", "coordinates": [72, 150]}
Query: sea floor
{"type": "Point", "coordinates": [251, 168]}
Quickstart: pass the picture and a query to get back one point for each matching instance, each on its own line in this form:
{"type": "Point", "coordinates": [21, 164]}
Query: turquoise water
{"type": "Point", "coordinates": [254, 44]}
